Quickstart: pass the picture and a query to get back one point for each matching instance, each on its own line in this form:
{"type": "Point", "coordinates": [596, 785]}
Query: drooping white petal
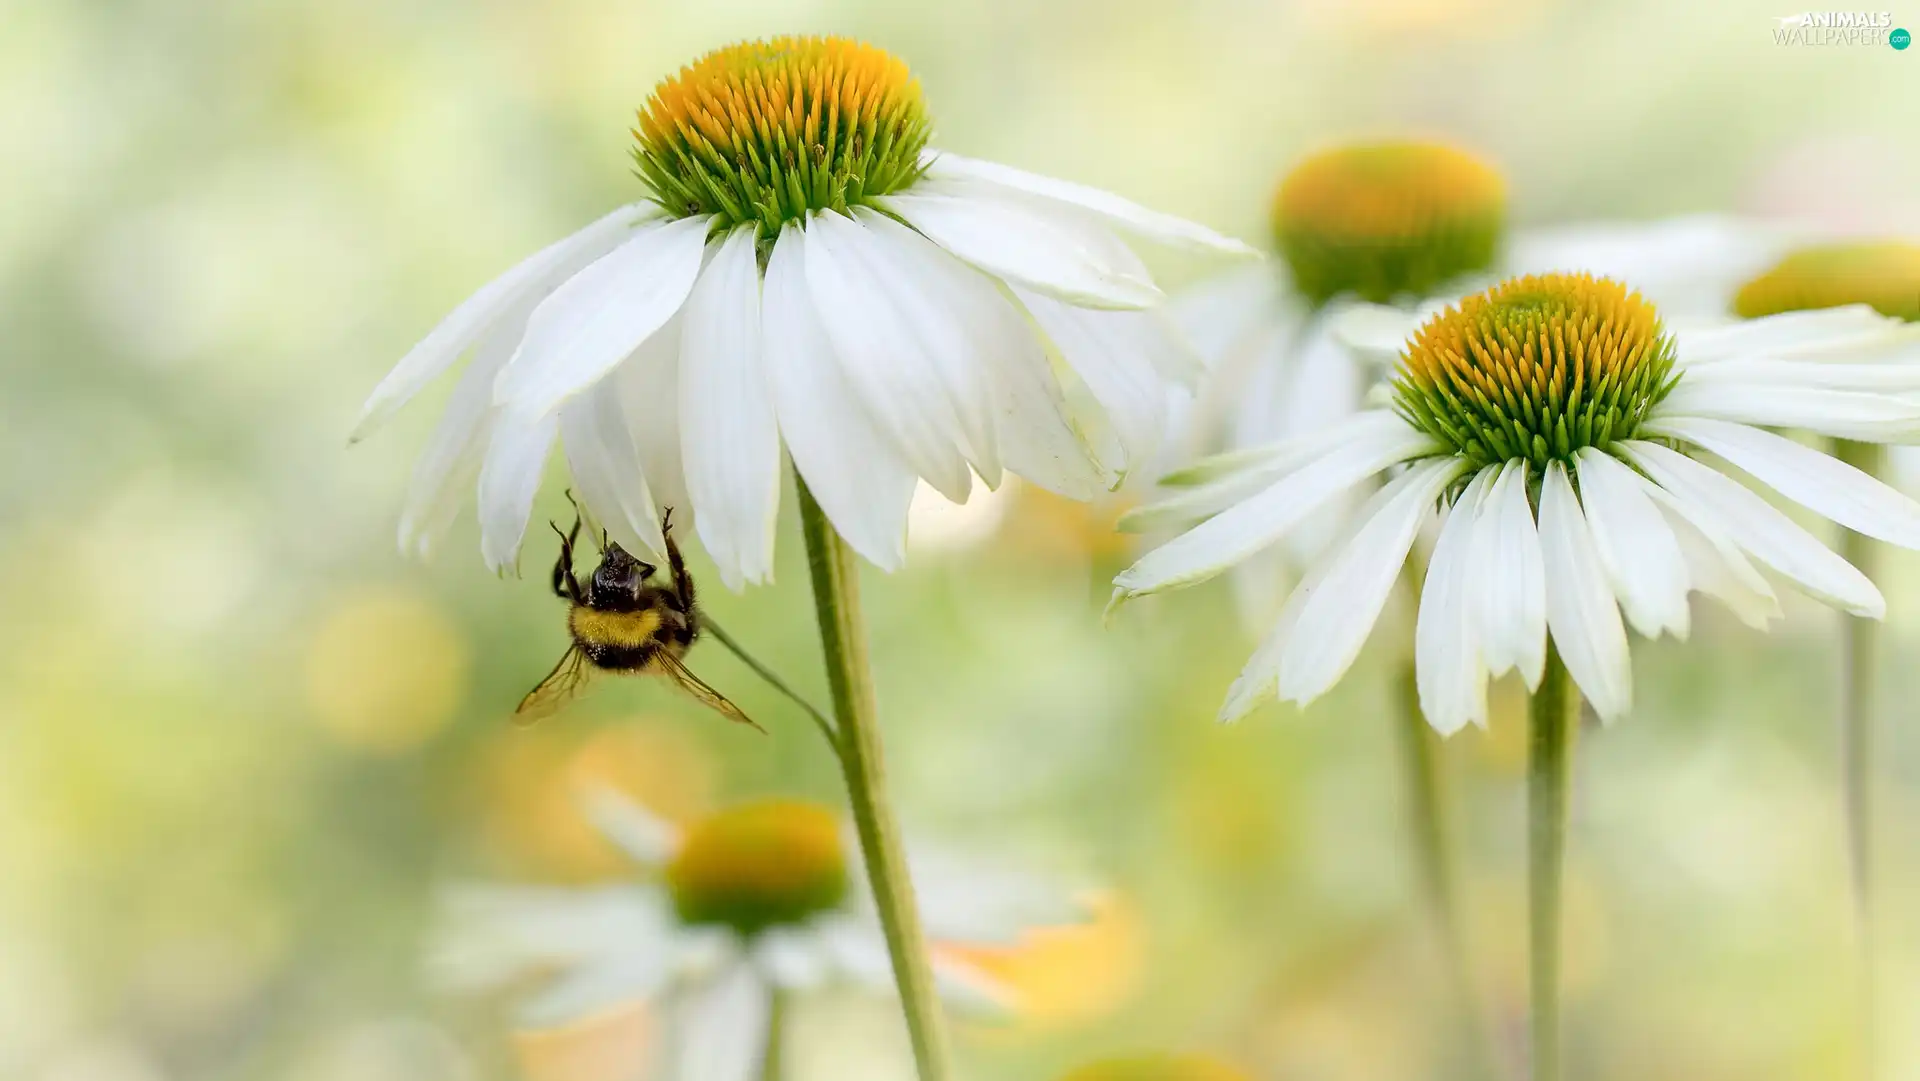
{"type": "Point", "coordinates": [491, 936]}
{"type": "Point", "coordinates": [647, 384]}
{"type": "Point", "coordinates": [601, 314]}
{"type": "Point", "coordinates": [1106, 350]}
{"type": "Point", "coordinates": [1127, 215]}
{"type": "Point", "coordinates": [450, 462]}
{"type": "Point", "coordinates": [1448, 667]}
{"type": "Point", "coordinates": [790, 958]}
{"type": "Point", "coordinates": [1823, 484]}
{"type": "Point", "coordinates": [966, 900]}
{"type": "Point", "coordinates": [1284, 456]}
{"type": "Point", "coordinates": [881, 354]}
{"type": "Point", "coordinates": [487, 310]}
{"type": "Point", "coordinates": [1636, 548]}
{"type": "Point", "coordinates": [853, 471]}
{"type": "Point", "coordinates": [1715, 565]}
{"type": "Point", "coordinates": [729, 439]}
{"type": "Point", "coordinates": [606, 469]}
{"type": "Point", "coordinates": [1894, 377]}
{"type": "Point", "coordinates": [1023, 245]}
{"type": "Point", "coordinates": [1223, 310]}
{"type": "Point", "coordinates": [509, 478]}
{"type": "Point", "coordinates": [720, 1028]}
{"type": "Point", "coordinates": [652, 841]}
{"type": "Point", "coordinates": [1844, 414]}
{"type": "Point", "coordinates": [1509, 599]}
{"type": "Point", "coordinates": [1186, 507]}
{"type": "Point", "coordinates": [1581, 611]}
{"type": "Point", "coordinates": [1341, 613]}
{"type": "Point", "coordinates": [1217, 543]}
{"type": "Point", "coordinates": [1686, 265]}
{"type": "Point", "coordinates": [1377, 331]}
{"type": "Point", "coordinates": [1789, 335]}
{"type": "Point", "coordinates": [1754, 524]}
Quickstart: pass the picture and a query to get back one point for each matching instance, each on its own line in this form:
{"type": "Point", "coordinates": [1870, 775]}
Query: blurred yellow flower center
{"type": "Point", "coordinates": [760, 864]}
{"type": "Point", "coordinates": [1536, 367]}
{"type": "Point", "coordinates": [1384, 220]}
{"type": "Point", "coordinates": [766, 131]}
{"type": "Point", "coordinates": [1884, 275]}
{"type": "Point", "coordinates": [1158, 1068]}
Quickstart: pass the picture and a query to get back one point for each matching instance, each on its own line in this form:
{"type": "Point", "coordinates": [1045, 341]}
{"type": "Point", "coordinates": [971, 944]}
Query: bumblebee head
{"type": "Point", "coordinates": [619, 575]}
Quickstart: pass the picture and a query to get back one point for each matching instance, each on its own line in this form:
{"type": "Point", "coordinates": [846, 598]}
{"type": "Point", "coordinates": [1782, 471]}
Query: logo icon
{"type": "Point", "coordinates": [1900, 39]}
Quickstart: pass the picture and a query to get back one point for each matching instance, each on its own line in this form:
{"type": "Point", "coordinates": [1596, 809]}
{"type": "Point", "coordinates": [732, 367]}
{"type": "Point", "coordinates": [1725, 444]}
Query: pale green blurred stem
{"type": "Point", "coordinates": [773, 1061]}
{"type": "Point", "coordinates": [843, 638]}
{"type": "Point", "coordinates": [1552, 716]}
{"type": "Point", "coordinates": [1859, 702]}
{"type": "Point", "coordinates": [1430, 838]}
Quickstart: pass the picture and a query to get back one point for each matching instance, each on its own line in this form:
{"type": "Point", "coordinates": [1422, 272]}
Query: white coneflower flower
{"type": "Point", "coordinates": [1556, 424]}
{"type": "Point", "coordinates": [805, 273]}
{"type": "Point", "coordinates": [746, 908]}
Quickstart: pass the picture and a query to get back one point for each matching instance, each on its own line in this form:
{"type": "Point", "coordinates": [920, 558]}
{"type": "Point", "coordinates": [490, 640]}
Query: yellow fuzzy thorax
{"type": "Point", "coordinates": [1158, 1068]}
{"type": "Point", "coordinates": [767, 131]}
{"type": "Point", "coordinates": [759, 865]}
{"type": "Point", "coordinates": [1386, 220]}
{"type": "Point", "coordinates": [622, 630]}
{"type": "Point", "coordinates": [1885, 275]}
{"type": "Point", "coordinates": [1536, 367]}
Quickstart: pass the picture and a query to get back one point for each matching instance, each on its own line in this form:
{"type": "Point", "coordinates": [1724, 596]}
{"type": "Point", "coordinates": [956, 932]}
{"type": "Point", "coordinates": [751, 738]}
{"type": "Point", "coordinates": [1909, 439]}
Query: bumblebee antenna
{"type": "Point", "coordinates": [773, 680]}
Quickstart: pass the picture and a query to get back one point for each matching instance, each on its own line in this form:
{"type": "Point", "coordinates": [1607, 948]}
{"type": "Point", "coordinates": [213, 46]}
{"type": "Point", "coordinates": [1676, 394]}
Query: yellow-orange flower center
{"type": "Point", "coordinates": [1384, 220]}
{"type": "Point", "coordinates": [1536, 367]}
{"type": "Point", "coordinates": [765, 131]}
{"type": "Point", "coordinates": [1158, 1068]}
{"type": "Point", "coordinates": [759, 865]}
{"type": "Point", "coordinates": [1882, 274]}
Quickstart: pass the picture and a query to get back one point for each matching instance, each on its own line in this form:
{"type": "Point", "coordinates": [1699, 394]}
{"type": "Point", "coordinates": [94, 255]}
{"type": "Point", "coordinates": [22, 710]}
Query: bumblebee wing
{"type": "Point", "coordinates": [569, 674]}
{"type": "Point", "coordinates": [677, 671]}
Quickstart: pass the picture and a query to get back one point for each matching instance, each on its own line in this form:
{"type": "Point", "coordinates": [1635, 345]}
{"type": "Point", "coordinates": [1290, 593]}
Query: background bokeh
{"type": "Point", "coordinates": [243, 742]}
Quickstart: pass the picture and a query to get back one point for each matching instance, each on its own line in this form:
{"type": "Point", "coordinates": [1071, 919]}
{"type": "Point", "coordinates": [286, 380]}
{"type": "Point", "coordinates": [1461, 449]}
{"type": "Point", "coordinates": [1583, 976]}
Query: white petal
{"type": "Point", "coordinates": [648, 386]}
{"type": "Point", "coordinates": [971, 901]}
{"type": "Point", "coordinates": [1824, 332]}
{"type": "Point", "coordinates": [450, 462]}
{"type": "Point", "coordinates": [602, 314]}
{"type": "Point", "coordinates": [1225, 539]}
{"type": "Point", "coordinates": [1025, 246]}
{"type": "Point", "coordinates": [1221, 311]}
{"type": "Point", "coordinates": [1686, 265]}
{"type": "Point", "coordinates": [852, 470]}
{"type": "Point", "coordinates": [491, 936]}
{"type": "Point", "coordinates": [721, 1028]}
{"type": "Point", "coordinates": [484, 311]}
{"type": "Point", "coordinates": [1753, 524]}
{"type": "Point", "coordinates": [1105, 350]}
{"type": "Point", "coordinates": [1887, 377]}
{"type": "Point", "coordinates": [729, 439]}
{"type": "Point", "coordinates": [1448, 666]}
{"type": "Point", "coordinates": [1342, 611]}
{"type": "Point", "coordinates": [1187, 507]}
{"type": "Point", "coordinates": [1828, 487]}
{"type": "Point", "coordinates": [1136, 219]}
{"type": "Point", "coordinates": [1580, 607]}
{"type": "Point", "coordinates": [1509, 597]}
{"type": "Point", "coordinates": [1286, 455]}
{"type": "Point", "coordinates": [652, 841]}
{"type": "Point", "coordinates": [1844, 414]}
{"type": "Point", "coordinates": [881, 353]}
{"type": "Point", "coordinates": [606, 469]}
{"type": "Point", "coordinates": [1715, 565]}
{"type": "Point", "coordinates": [1642, 559]}
{"type": "Point", "coordinates": [790, 957]}
{"type": "Point", "coordinates": [509, 478]}
{"type": "Point", "coordinates": [858, 949]}
{"type": "Point", "coordinates": [1378, 331]}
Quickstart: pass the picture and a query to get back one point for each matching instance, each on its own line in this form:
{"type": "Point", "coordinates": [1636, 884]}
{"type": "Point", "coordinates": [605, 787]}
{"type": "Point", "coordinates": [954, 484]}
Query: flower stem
{"type": "Point", "coordinates": [1859, 701]}
{"type": "Point", "coordinates": [1552, 716]}
{"type": "Point", "coordinates": [773, 1059]}
{"type": "Point", "coordinates": [843, 638]}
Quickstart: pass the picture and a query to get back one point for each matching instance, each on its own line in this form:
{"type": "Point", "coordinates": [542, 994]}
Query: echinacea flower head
{"type": "Point", "coordinates": [1158, 1068]}
{"type": "Point", "coordinates": [1390, 219]}
{"type": "Point", "coordinates": [804, 278]}
{"type": "Point", "coordinates": [1554, 429]}
{"type": "Point", "coordinates": [1882, 274]}
{"type": "Point", "coordinates": [749, 903]}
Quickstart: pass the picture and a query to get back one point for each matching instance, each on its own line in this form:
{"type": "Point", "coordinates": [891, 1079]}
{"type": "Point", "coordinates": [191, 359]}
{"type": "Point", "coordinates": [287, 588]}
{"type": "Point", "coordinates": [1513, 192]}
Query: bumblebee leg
{"type": "Point", "coordinates": [565, 585]}
{"type": "Point", "coordinates": [682, 580]}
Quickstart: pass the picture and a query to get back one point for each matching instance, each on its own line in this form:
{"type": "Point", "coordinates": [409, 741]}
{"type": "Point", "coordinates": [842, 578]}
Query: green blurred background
{"type": "Point", "coordinates": [243, 743]}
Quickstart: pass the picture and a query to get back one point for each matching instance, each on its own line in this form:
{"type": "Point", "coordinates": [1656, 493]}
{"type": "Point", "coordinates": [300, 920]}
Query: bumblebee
{"type": "Point", "coordinates": [621, 621]}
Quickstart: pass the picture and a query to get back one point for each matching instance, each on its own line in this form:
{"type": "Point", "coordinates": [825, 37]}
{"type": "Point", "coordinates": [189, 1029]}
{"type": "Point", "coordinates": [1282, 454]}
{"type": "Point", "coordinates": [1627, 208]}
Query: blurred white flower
{"type": "Point", "coordinates": [1501, 406]}
{"type": "Point", "coordinates": [751, 903]}
{"type": "Point", "coordinates": [805, 274]}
